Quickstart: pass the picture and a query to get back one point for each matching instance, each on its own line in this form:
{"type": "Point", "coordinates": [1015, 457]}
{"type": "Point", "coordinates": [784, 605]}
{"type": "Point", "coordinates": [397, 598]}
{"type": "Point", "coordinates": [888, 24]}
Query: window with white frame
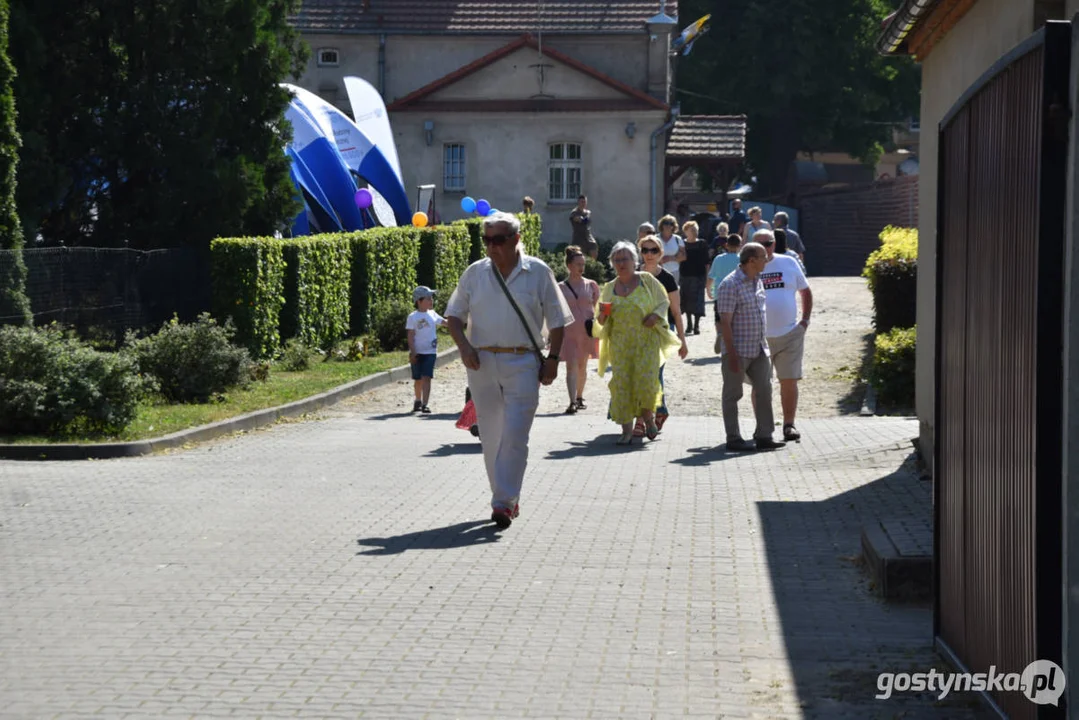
{"type": "Point", "coordinates": [453, 166]}
{"type": "Point", "coordinates": [328, 57]}
{"type": "Point", "coordinates": [564, 172]}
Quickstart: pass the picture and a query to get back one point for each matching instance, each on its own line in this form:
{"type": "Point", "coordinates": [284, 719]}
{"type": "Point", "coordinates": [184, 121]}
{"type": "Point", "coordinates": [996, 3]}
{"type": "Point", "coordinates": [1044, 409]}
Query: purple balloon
{"type": "Point", "coordinates": [483, 207]}
{"type": "Point", "coordinates": [363, 198]}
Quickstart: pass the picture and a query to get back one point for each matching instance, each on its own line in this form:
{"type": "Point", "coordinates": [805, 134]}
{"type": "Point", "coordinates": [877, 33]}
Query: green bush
{"type": "Point", "coordinates": [193, 362]}
{"type": "Point", "coordinates": [892, 272]}
{"type": "Point", "coordinates": [295, 356]}
{"type": "Point", "coordinates": [557, 263]}
{"type": "Point", "coordinates": [444, 251]}
{"type": "Point", "coordinates": [474, 227]}
{"type": "Point", "coordinates": [892, 370]}
{"type": "Point", "coordinates": [388, 318]}
{"type": "Point", "coordinates": [249, 287]}
{"type": "Point", "coordinates": [531, 232]}
{"type": "Point", "coordinates": [317, 289]}
{"type": "Point", "coordinates": [595, 270]}
{"type": "Point", "coordinates": [384, 264]}
{"type": "Point", "coordinates": [52, 383]}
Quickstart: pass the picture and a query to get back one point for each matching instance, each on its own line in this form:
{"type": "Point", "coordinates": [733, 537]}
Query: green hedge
{"type": "Point", "coordinates": [249, 286]}
{"type": "Point", "coordinates": [384, 264]}
{"type": "Point", "coordinates": [444, 253]}
{"type": "Point", "coordinates": [892, 370]}
{"type": "Point", "coordinates": [531, 231]}
{"type": "Point", "coordinates": [317, 289]}
{"type": "Point", "coordinates": [892, 271]}
{"type": "Point", "coordinates": [474, 227]}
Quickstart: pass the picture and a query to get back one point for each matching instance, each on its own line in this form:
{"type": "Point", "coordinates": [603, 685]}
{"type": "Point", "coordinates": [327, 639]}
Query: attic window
{"type": "Point", "coordinates": [328, 57]}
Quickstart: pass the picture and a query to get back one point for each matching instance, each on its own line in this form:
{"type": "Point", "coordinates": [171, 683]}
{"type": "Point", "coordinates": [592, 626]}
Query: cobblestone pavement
{"type": "Point", "coordinates": [346, 568]}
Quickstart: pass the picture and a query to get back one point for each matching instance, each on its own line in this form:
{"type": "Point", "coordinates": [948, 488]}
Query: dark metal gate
{"type": "Point", "coordinates": [999, 290]}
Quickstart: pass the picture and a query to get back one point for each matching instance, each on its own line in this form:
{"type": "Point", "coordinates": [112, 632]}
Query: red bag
{"type": "Point", "coordinates": [468, 417]}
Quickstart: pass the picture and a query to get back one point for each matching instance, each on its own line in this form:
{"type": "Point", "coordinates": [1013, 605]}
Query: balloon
{"type": "Point", "coordinates": [419, 219]}
{"type": "Point", "coordinates": [363, 198]}
{"type": "Point", "coordinates": [493, 211]}
{"type": "Point", "coordinates": [483, 207]}
{"type": "Point", "coordinates": [468, 204]}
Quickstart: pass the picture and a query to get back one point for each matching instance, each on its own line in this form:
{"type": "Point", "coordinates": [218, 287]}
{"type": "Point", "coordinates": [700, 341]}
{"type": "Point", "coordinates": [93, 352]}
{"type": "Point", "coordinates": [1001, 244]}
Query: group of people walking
{"type": "Point", "coordinates": [632, 325]}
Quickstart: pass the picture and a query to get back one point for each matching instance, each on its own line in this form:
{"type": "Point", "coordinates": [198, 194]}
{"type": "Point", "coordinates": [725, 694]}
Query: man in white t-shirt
{"type": "Point", "coordinates": [783, 281]}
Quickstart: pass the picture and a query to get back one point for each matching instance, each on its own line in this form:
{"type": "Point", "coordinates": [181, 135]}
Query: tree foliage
{"type": "Point", "coordinates": [155, 123]}
{"type": "Point", "coordinates": [14, 305]}
{"type": "Point", "coordinates": [806, 73]}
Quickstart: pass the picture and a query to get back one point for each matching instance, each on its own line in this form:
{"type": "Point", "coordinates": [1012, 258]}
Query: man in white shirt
{"type": "Point", "coordinates": [783, 281]}
{"type": "Point", "coordinates": [502, 355]}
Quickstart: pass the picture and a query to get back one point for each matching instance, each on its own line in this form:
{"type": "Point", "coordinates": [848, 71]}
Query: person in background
{"type": "Point", "coordinates": [781, 248]}
{"type": "Point", "coordinates": [581, 220]}
{"type": "Point", "coordinates": [722, 266]}
{"type": "Point", "coordinates": [738, 218]}
{"type": "Point", "coordinates": [423, 345]}
{"type": "Point", "coordinates": [651, 252]}
{"type": "Point", "coordinates": [581, 295]}
{"type": "Point", "coordinates": [794, 240]}
{"type": "Point", "coordinates": [674, 247]}
{"type": "Point", "coordinates": [528, 204]}
{"type": "Point", "coordinates": [716, 247]}
{"type": "Point", "coordinates": [755, 225]}
{"type": "Point", "coordinates": [693, 271]}
{"type": "Point", "coordinates": [644, 230]}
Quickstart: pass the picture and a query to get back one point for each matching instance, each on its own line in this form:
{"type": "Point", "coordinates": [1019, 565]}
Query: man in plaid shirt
{"type": "Point", "coordinates": [740, 303]}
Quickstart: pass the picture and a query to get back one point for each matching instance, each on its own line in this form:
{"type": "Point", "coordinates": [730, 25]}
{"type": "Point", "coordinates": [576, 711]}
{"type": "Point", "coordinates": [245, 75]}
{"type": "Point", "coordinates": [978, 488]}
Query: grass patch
{"type": "Point", "coordinates": [156, 418]}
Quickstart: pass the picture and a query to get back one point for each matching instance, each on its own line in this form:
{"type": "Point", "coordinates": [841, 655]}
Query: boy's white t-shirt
{"type": "Point", "coordinates": [782, 278]}
{"type": "Point", "coordinates": [424, 323]}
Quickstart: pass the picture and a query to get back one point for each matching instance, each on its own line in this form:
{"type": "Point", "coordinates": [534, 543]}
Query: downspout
{"type": "Point", "coordinates": [382, 65]}
{"type": "Point", "coordinates": [675, 110]}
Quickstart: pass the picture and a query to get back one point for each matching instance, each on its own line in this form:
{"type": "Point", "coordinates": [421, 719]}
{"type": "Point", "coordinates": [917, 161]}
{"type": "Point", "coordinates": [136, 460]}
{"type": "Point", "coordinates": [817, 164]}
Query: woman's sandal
{"type": "Point", "coordinates": [651, 431]}
{"type": "Point", "coordinates": [624, 439]}
{"type": "Point", "coordinates": [572, 409]}
{"type": "Point", "coordinates": [638, 429]}
{"type": "Point", "coordinates": [580, 404]}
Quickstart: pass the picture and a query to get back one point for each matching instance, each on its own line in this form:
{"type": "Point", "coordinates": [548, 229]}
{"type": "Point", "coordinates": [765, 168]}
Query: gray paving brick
{"type": "Point", "coordinates": [346, 568]}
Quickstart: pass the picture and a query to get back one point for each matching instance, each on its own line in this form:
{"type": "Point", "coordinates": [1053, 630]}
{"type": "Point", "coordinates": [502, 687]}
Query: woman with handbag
{"type": "Point", "coordinates": [578, 344]}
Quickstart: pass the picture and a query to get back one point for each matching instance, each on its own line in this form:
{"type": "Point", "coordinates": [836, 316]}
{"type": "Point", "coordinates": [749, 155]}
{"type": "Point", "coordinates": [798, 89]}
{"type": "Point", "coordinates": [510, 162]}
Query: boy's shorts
{"type": "Point", "coordinates": [424, 366]}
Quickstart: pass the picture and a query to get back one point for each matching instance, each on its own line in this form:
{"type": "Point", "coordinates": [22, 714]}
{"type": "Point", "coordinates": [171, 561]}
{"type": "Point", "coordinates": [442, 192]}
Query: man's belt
{"type": "Point", "coordinates": [511, 350]}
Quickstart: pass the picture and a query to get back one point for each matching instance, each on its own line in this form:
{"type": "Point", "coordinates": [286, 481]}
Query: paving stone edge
{"type": "Point", "coordinates": [248, 421]}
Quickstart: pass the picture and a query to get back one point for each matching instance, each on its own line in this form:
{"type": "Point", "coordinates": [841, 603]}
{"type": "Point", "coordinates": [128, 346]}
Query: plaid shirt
{"type": "Point", "coordinates": [744, 298]}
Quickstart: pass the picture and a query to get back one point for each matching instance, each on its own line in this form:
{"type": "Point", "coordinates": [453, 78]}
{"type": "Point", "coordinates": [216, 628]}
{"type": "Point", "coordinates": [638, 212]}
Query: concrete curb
{"type": "Point", "coordinates": [898, 576]}
{"type": "Point", "coordinates": [250, 421]}
{"type": "Point", "coordinates": [869, 402]}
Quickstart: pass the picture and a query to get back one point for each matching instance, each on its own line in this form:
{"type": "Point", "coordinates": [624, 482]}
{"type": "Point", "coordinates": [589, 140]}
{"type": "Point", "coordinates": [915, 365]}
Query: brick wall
{"type": "Point", "coordinates": [841, 227]}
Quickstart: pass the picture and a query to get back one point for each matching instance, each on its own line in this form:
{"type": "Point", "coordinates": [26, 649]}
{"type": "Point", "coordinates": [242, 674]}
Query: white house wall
{"type": "Point", "coordinates": [507, 157]}
{"type": "Point", "coordinates": [517, 77]}
{"type": "Point", "coordinates": [990, 29]}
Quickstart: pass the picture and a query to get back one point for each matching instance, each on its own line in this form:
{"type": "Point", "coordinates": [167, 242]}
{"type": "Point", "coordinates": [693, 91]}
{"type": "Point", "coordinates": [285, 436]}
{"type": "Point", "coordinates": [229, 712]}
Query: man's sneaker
{"type": "Point", "coordinates": [417, 406]}
{"type": "Point", "coordinates": [503, 518]}
{"type": "Point", "coordinates": [737, 444]}
{"type": "Point", "coordinates": [790, 433]}
{"type": "Point", "coordinates": [769, 444]}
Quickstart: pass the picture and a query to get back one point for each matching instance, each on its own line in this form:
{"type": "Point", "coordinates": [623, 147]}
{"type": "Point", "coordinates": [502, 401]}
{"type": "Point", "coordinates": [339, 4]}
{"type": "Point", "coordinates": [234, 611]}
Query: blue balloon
{"type": "Point", "coordinates": [483, 208]}
{"type": "Point", "coordinates": [468, 204]}
{"type": "Point", "coordinates": [493, 211]}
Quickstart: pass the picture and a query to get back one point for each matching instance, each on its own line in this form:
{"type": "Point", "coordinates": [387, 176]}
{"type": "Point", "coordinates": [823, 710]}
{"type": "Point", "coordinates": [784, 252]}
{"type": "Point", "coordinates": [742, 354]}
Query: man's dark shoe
{"type": "Point", "coordinates": [790, 433]}
{"type": "Point", "coordinates": [417, 406]}
{"type": "Point", "coordinates": [769, 444]}
{"type": "Point", "coordinates": [502, 517]}
{"type": "Point", "coordinates": [739, 445]}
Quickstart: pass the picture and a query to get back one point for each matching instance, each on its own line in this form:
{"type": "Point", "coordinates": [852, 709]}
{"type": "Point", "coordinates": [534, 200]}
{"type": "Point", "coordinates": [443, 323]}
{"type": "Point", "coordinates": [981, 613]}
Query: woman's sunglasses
{"type": "Point", "coordinates": [650, 250]}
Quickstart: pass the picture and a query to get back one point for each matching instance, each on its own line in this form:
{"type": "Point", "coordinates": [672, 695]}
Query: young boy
{"type": "Point", "coordinates": [423, 345]}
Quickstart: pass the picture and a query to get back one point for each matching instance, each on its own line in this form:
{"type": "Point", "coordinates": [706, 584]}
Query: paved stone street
{"type": "Point", "coordinates": [346, 568]}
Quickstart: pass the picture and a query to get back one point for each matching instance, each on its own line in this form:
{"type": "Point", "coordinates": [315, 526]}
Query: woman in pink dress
{"type": "Point", "coordinates": [582, 295]}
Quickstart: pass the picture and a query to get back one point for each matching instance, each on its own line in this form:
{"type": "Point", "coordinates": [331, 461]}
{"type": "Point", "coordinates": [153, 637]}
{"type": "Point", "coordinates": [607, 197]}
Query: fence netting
{"type": "Point", "coordinates": [102, 292]}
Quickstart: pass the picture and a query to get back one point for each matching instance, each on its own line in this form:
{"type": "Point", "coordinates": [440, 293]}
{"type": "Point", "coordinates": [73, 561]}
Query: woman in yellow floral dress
{"type": "Point", "coordinates": [634, 339]}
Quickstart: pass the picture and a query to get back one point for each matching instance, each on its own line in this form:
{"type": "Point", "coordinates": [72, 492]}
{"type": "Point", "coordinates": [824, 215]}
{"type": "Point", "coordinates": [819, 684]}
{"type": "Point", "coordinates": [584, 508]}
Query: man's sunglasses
{"type": "Point", "coordinates": [650, 250]}
{"type": "Point", "coordinates": [496, 239]}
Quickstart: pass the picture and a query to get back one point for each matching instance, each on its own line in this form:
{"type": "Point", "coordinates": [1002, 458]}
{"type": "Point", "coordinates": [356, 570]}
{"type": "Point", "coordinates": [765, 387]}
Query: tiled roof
{"type": "Point", "coordinates": [708, 137]}
{"type": "Point", "coordinates": [478, 16]}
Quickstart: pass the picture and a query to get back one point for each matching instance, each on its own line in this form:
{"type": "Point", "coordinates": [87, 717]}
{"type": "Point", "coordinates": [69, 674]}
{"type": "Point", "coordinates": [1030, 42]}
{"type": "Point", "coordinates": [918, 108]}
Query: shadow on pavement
{"type": "Point", "coordinates": [701, 456]}
{"type": "Point", "coordinates": [712, 360]}
{"type": "Point", "coordinates": [839, 635]}
{"type": "Point", "coordinates": [602, 445]}
{"type": "Point", "coordinates": [469, 448]}
{"type": "Point", "coordinates": [440, 416]}
{"type": "Point", "coordinates": [466, 534]}
{"type": "Point", "coordinates": [851, 402]}
{"type": "Point", "coordinates": [391, 416]}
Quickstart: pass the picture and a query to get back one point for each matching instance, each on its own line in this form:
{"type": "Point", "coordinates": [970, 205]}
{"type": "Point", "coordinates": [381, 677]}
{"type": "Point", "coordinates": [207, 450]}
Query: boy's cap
{"type": "Point", "coordinates": [422, 292]}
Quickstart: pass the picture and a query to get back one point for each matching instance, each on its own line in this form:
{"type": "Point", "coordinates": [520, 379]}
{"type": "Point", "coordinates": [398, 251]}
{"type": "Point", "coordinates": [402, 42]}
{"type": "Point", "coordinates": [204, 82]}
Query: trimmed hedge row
{"type": "Point", "coordinates": [892, 371]}
{"type": "Point", "coordinates": [249, 286]}
{"type": "Point", "coordinates": [318, 289]}
{"type": "Point", "coordinates": [892, 271]}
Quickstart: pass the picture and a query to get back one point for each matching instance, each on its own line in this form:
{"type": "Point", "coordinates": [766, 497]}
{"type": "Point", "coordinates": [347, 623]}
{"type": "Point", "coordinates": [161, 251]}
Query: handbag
{"type": "Point", "coordinates": [506, 290]}
{"type": "Point", "coordinates": [588, 321]}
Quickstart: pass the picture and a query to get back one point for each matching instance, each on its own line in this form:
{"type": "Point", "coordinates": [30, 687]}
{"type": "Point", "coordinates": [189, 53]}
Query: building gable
{"type": "Point", "coordinates": [518, 76]}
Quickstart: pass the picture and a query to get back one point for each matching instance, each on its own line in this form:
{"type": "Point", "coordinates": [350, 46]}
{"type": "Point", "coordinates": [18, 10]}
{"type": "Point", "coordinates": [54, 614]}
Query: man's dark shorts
{"type": "Point", "coordinates": [424, 366]}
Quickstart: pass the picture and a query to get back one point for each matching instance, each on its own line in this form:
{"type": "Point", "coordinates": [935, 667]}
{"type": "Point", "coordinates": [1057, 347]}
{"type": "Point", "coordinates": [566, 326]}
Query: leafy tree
{"type": "Point", "coordinates": [806, 73]}
{"type": "Point", "coordinates": [14, 305]}
{"type": "Point", "coordinates": [156, 123]}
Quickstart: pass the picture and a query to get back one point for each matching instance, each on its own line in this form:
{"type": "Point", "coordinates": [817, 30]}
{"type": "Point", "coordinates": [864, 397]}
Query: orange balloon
{"type": "Point", "coordinates": [419, 219]}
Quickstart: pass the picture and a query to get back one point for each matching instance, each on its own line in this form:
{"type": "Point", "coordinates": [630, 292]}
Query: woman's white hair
{"type": "Point", "coordinates": [624, 246]}
{"type": "Point", "coordinates": [503, 218]}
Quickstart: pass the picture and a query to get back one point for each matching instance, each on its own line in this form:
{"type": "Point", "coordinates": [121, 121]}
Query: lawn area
{"type": "Point", "coordinates": [155, 419]}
